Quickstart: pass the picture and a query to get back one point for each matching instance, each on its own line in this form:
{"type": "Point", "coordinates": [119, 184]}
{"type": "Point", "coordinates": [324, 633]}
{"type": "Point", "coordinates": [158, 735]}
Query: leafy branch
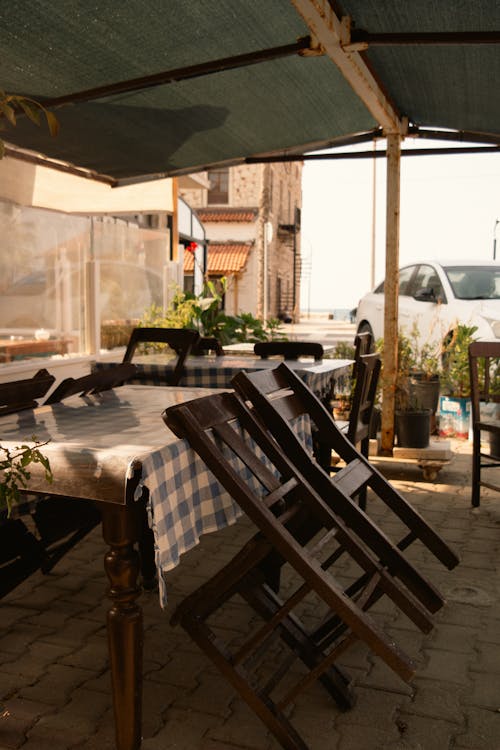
{"type": "Point", "coordinates": [12, 104]}
{"type": "Point", "coordinates": [15, 474]}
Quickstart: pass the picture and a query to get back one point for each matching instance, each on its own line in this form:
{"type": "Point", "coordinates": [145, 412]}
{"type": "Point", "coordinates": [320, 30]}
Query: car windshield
{"type": "Point", "coordinates": [474, 282]}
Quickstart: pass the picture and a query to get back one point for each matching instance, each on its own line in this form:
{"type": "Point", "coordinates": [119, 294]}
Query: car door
{"type": "Point", "coordinates": [425, 306]}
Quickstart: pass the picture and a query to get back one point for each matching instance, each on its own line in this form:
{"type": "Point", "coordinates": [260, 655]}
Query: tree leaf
{"type": "Point", "coordinates": [8, 112]}
{"type": "Point", "coordinates": [52, 122]}
{"type": "Point", "coordinates": [30, 110]}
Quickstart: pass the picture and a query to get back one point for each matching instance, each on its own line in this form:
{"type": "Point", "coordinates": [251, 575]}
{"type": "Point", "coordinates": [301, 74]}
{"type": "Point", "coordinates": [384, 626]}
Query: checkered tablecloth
{"type": "Point", "coordinates": [217, 372]}
{"type": "Point", "coordinates": [186, 500]}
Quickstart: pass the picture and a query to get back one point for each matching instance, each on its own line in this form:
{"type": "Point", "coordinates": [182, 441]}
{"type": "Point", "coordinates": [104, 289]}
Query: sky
{"type": "Point", "coordinates": [449, 209]}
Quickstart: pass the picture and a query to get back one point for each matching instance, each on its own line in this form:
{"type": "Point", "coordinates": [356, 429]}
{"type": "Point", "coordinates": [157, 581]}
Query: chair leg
{"type": "Point", "coordinates": [335, 680]}
{"type": "Point", "coordinates": [476, 468]}
{"type": "Point", "coordinates": [274, 719]}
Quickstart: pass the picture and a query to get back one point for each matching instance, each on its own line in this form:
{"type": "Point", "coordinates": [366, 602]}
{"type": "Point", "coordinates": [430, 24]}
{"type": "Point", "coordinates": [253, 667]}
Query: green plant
{"type": "Point", "coordinates": [203, 313]}
{"type": "Point", "coordinates": [456, 379]}
{"type": "Point", "coordinates": [424, 359]}
{"type": "Point", "coordinates": [415, 361]}
{"type": "Point", "coordinates": [343, 350]}
{"type": "Point", "coordinates": [14, 471]}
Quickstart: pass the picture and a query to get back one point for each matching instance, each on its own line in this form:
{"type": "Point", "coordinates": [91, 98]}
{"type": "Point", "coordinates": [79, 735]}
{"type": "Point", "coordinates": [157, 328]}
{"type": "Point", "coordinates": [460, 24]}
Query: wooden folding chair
{"type": "Point", "coordinates": [101, 380]}
{"type": "Point", "coordinates": [298, 535]}
{"type": "Point", "coordinates": [357, 428]}
{"type": "Point", "coordinates": [180, 340]}
{"type": "Point", "coordinates": [288, 349]}
{"type": "Point", "coordinates": [17, 395]}
{"type": "Point", "coordinates": [279, 395]}
{"type": "Point", "coordinates": [484, 369]}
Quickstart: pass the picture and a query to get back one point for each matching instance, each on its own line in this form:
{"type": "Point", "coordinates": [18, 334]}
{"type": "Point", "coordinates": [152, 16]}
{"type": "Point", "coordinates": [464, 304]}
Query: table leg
{"type": "Point", "coordinates": [120, 529]}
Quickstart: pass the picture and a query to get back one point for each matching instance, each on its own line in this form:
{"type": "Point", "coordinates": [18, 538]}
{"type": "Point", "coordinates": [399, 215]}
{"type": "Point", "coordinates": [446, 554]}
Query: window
{"type": "Point", "coordinates": [405, 277]}
{"type": "Point", "coordinates": [218, 192]}
{"type": "Point", "coordinates": [427, 278]}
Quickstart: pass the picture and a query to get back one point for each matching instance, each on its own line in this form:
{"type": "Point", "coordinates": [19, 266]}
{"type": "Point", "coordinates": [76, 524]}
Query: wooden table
{"type": "Point", "coordinates": [106, 449]}
{"type": "Point", "coordinates": [12, 348]}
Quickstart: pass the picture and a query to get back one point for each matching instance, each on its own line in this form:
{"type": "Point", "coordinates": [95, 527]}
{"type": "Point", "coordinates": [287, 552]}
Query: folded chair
{"type": "Point", "coordinates": [278, 396]}
{"type": "Point", "coordinates": [484, 368]}
{"type": "Point", "coordinates": [299, 537]}
{"type": "Point", "coordinates": [288, 349]}
{"type": "Point", "coordinates": [59, 523]}
{"type": "Point", "coordinates": [21, 553]}
{"type": "Point", "coordinates": [357, 428]}
{"type": "Point", "coordinates": [24, 394]}
{"type": "Point", "coordinates": [180, 340]}
{"type": "Point", "coordinates": [95, 382]}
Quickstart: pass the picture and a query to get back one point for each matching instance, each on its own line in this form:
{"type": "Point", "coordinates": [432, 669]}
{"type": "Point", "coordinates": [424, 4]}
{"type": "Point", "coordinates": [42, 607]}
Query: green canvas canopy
{"type": "Point", "coordinates": [205, 82]}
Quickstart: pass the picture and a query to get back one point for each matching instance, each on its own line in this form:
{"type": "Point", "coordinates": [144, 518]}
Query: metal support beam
{"type": "Point", "coordinates": [391, 288]}
{"type": "Point", "coordinates": [333, 34]}
{"type": "Point", "coordinates": [304, 46]}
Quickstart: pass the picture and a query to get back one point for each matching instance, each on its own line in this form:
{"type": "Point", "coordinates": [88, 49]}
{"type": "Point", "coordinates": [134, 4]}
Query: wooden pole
{"type": "Point", "coordinates": [391, 291]}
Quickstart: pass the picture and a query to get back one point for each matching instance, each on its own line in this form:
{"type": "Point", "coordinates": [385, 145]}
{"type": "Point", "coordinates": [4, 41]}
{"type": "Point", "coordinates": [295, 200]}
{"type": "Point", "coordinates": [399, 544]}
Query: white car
{"type": "Point", "coordinates": [436, 297]}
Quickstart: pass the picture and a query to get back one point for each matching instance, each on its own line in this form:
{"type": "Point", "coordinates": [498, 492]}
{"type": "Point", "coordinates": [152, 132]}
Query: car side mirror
{"type": "Point", "coordinates": [426, 294]}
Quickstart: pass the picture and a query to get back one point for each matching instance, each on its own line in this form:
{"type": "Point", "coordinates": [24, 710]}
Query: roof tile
{"type": "Point", "coordinates": [222, 258]}
{"type": "Point", "coordinates": [227, 214]}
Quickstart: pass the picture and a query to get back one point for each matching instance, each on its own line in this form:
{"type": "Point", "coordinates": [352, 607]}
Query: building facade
{"type": "Point", "coordinates": [251, 214]}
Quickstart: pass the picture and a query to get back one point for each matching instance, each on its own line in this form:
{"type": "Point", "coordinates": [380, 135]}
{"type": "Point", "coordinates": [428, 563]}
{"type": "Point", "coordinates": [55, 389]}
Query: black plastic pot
{"type": "Point", "coordinates": [424, 391]}
{"type": "Point", "coordinates": [413, 428]}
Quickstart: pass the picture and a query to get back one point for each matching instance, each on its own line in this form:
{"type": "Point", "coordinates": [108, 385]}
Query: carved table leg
{"type": "Point", "coordinates": [125, 628]}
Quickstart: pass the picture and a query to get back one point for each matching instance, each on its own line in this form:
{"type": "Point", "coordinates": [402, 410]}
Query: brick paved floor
{"type": "Point", "coordinates": [54, 683]}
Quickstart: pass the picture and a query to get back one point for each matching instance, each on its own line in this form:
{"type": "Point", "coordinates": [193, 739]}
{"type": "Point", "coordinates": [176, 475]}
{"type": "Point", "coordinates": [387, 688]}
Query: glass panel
{"type": "Point", "coordinates": [132, 260]}
{"type": "Point", "coordinates": [41, 282]}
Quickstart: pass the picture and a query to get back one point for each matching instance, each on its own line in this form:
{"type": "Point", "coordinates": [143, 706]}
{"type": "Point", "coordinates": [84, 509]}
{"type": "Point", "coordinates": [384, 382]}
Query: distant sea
{"type": "Point", "coordinates": [339, 313]}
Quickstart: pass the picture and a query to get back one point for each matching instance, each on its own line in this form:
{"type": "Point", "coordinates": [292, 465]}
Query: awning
{"type": "Point", "coordinates": [316, 78]}
{"type": "Point", "coordinates": [222, 259]}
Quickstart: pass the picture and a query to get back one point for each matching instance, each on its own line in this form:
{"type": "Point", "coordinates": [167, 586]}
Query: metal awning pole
{"type": "Point", "coordinates": [391, 290]}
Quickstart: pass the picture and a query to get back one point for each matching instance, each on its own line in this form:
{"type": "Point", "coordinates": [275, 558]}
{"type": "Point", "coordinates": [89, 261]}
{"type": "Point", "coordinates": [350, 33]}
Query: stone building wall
{"type": "Point", "coordinates": [276, 190]}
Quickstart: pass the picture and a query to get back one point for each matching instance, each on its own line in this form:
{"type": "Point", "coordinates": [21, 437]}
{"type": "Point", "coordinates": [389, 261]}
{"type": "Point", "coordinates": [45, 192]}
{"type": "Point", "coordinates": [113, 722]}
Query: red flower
{"type": "Point", "coordinates": [191, 248]}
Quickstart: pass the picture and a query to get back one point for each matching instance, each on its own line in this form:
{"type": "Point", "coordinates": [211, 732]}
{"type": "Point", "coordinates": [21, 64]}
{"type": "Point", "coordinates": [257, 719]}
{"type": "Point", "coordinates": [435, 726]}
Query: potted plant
{"type": "Point", "coordinates": [416, 366]}
{"type": "Point", "coordinates": [425, 374]}
{"type": "Point", "coordinates": [454, 406]}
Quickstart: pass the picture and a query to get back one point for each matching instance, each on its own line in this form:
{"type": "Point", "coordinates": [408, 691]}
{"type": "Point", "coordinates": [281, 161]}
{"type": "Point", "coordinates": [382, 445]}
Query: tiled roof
{"type": "Point", "coordinates": [227, 214]}
{"type": "Point", "coordinates": [222, 259]}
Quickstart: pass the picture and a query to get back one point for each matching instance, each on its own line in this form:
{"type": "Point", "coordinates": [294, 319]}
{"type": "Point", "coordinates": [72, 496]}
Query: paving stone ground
{"type": "Point", "coordinates": [54, 681]}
